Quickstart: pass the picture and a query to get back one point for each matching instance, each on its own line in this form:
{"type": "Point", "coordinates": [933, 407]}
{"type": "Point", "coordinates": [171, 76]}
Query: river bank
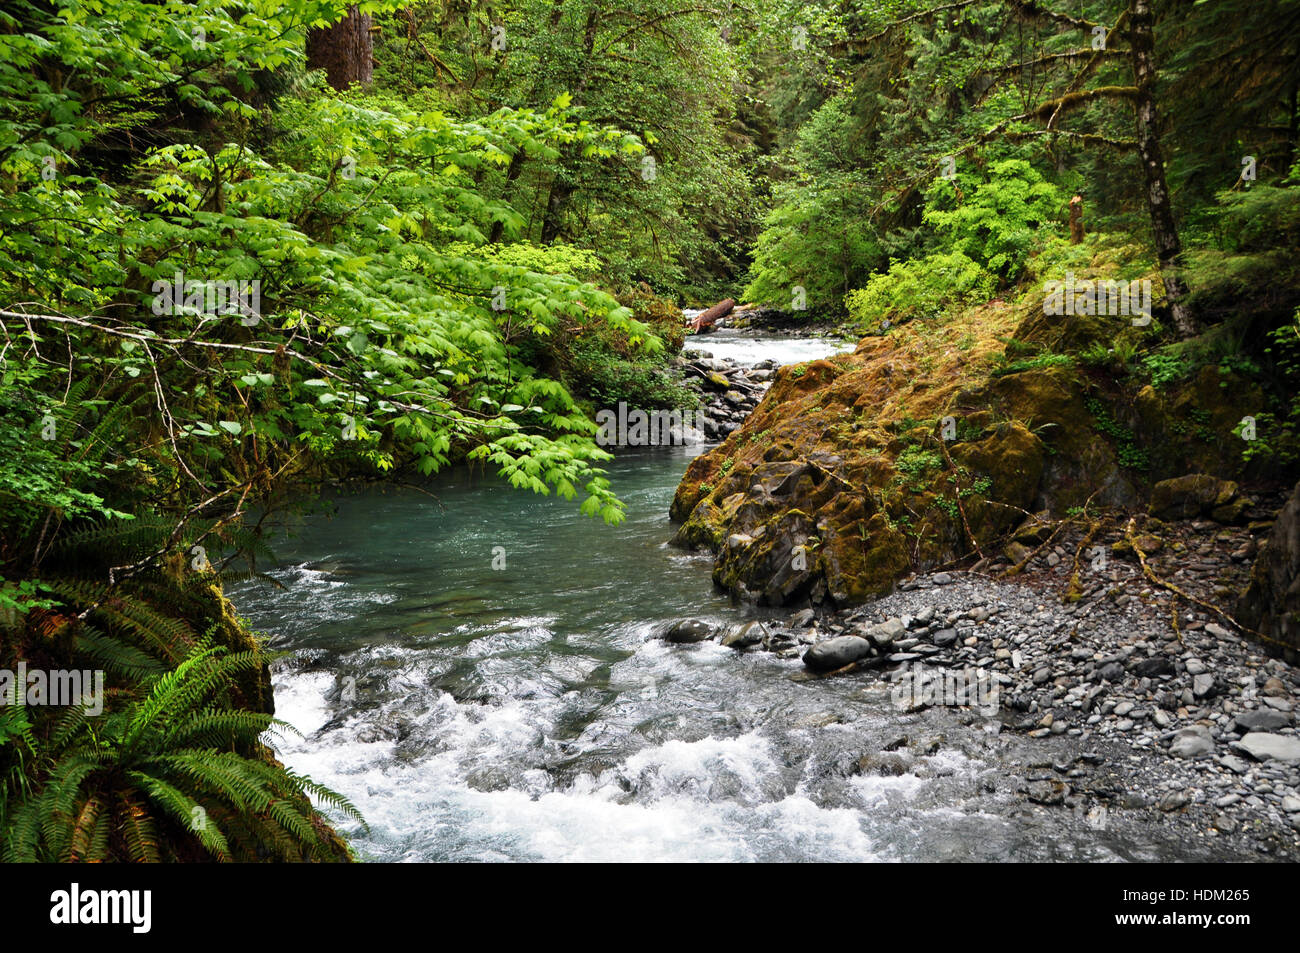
{"type": "Point", "coordinates": [1145, 699]}
{"type": "Point", "coordinates": [525, 708]}
{"type": "Point", "coordinates": [1189, 730]}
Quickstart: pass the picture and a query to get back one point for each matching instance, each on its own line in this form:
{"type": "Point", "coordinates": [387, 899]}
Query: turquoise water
{"type": "Point", "coordinates": [524, 711]}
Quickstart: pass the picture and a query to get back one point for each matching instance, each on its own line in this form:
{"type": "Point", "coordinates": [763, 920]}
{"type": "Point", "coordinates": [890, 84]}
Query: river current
{"type": "Point", "coordinates": [476, 670]}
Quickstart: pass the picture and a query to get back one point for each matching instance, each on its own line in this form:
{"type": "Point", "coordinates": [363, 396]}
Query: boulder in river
{"type": "Point", "coordinates": [751, 633]}
{"type": "Point", "coordinates": [836, 653]}
{"type": "Point", "coordinates": [686, 631]}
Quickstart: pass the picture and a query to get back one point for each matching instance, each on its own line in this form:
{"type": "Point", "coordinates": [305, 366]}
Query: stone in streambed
{"type": "Point", "coordinates": [1154, 667]}
{"type": "Point", "coordinates": [1047, 791]}
{"type": "Point", "coordinates": [687, 631]}
{"type": "Point", "coordinates": [944, 637]}
{"type": "Point", "coordinates": [884, 634]}
{"type": "Point", "coordinates": [1174, 801]}
{"type": "Point", "coordinates": [1261, 720]}
{"type": "Point", "coordinates": [1194, 742]}
{"type": "Point", "coordinates": [836, 653]}
{"type": "Point", "coordinates": [751, 633]}
{"type": "Point", "coordinates": [1263, 746]}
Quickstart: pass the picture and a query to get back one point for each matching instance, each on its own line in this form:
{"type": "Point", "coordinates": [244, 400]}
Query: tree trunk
{"type": "Point", "coordinates": [345, 51]}
{"type": "Point", "coordinates": [1168, 248]}
{"type": "Point", "coordinates": [705, 320]}
{"type": "Point", "coordinates": [557, 201]}
{"type": "Point", "coordinates": [562, 186]}
{"type": "Point", "coordinates": [1076, 220]}
{"type": "Point", "coordinates": [512, 173]}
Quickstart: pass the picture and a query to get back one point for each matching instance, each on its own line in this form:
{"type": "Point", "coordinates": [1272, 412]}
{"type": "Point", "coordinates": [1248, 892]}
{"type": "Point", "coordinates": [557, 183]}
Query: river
{"type": "Point", "coordinates": [477, 674]}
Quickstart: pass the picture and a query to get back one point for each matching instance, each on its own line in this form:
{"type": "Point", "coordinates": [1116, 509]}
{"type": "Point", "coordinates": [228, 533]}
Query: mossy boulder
{"type": "Point", "coordinates": [1269, 609]}
{"type": "Point", "coordinates": [1188, 496]}
{"type": "Point", "coordinates": [1193, 426]}
{"type": "Point", "coordinates": [1079, 463]}
{"type": "Point", "coordinates": [1012, 460]}
{"type": "Point", "coordinates": [857, 469]}
{"type": "Point", "coordinates": [1067, 333]}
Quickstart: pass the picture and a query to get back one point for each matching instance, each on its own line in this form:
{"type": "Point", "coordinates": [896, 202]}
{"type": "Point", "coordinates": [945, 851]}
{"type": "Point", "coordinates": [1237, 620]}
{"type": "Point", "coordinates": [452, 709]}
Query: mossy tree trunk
{"type": "Point", "coordinates": [345, 51]}
{"type": "Point", "coordinates": [1164, 229]}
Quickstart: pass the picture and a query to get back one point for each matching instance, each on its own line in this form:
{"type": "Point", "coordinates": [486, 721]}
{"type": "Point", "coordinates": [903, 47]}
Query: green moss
{"type": "Point", "coordinates": [1032, 363]}
{"type": "Point", "coordinates": [1129, 453]}
{"type": "Point", "coordinates": [915, 462]}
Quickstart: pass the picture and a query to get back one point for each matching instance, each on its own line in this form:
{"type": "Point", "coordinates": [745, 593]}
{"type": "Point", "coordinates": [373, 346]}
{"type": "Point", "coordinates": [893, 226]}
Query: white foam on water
{"type": "Point", "coordinates": [511, 635]}
{"type": "Point", "coordinates": [748, 351]}
{"type": "Point", "coordinates": [678, 766]}
{"type": "Point", "coordinates": [301, 701]}
{"type": "Point", "coordinates": [875, 791]}
{"type": "Point", "coordinates": [425, 808]}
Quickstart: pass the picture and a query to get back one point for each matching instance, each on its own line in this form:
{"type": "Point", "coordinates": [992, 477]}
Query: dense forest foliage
{"type": "Point", "coordinates": [252, 247]}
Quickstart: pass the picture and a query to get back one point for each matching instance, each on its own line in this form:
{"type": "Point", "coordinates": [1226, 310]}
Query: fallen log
{"type": "Point", "coordinates": [706, 319]}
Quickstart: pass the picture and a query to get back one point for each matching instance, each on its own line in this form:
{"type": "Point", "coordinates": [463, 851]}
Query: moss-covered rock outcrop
{"type": "Point", "coordinates": [938, 442]}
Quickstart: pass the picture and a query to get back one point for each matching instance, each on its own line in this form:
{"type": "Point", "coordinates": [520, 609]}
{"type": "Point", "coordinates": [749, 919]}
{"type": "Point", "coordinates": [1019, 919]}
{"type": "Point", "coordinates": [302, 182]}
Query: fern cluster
{"type": "Point", "coordinates": [171, 775]}
{"type": "Point", "coordinates": [177, 766]}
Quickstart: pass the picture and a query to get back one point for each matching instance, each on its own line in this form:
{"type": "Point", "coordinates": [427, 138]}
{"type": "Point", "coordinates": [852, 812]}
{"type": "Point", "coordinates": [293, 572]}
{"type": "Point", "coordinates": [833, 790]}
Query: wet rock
{"type": "Point", "coordinates": [802, 618]}
{"type": "Point", "coordinates": [1263, 746]}
{"type": "Point", "coordinates": [836, 653]}
{"type": "Point", "coordinates": [886, 764]}
{"type": "Point", "coordinates": [1191, 743]}
{"type": "Point", "coordinates": [1262, 719]}
{"type": "Point", "coordinates": [687, 631]}
{"type": "Point", "coordinates": [751, 633]}
{"type": "Point", "coordinates": [820, 720]}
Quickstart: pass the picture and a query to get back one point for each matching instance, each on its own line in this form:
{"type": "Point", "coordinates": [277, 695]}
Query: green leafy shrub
{"type": "Point", "coordinates": [602, 375]}
{"type": "Point", "coordinates": [997, 221]}
{"type": "Point", "coordinates": [922, 288]}
{"type": "Point", "coordinates": [819, 234]}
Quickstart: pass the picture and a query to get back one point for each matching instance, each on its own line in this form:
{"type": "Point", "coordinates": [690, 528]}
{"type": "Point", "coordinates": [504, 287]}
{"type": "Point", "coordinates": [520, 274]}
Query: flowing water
{"type": "Point", "coordinates": [478, 674]}
{"type": "Point", "coordinates": [745, 348]}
